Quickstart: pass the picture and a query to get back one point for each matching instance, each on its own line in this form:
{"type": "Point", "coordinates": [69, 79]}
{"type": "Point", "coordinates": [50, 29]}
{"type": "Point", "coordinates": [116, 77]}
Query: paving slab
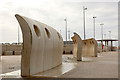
{"type": "Point", "coordinates": [104, 66]}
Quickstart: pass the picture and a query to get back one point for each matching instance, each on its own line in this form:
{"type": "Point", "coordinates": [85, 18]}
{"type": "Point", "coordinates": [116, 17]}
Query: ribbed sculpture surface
{"type": "Point", "coordinates": [42, 46]}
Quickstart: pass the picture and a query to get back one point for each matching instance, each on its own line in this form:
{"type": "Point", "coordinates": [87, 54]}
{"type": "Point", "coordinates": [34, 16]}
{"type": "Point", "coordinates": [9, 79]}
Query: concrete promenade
{"type": "Point", "coordinates": [103, 66]}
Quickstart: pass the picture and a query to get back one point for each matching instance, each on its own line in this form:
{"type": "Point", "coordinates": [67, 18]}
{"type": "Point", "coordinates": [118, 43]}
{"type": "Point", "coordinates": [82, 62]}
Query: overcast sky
{"type": "Point", "coordinates": [53, 12]}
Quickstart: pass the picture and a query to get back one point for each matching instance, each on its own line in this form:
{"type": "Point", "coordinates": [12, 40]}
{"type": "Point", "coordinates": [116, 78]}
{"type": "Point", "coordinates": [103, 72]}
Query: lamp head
{"type": "Point", "coordinates": [94, 17]}
{"type": "Point", "coordinates": [85, 8]}
{"type": "Point", "coordinates": [102, 24]}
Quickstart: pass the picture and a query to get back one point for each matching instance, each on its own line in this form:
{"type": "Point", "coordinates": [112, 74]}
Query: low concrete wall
{"type": "Point", "coordinates": [42, 46]}
{"type": "Point", "coordinates": [10, 49]}
{"type": "Point", "coordinates": [17, 52]}
{"type": "Point", "coordinates": [8, 52]}
{"type": "Point", "coordinates": [68, 49]}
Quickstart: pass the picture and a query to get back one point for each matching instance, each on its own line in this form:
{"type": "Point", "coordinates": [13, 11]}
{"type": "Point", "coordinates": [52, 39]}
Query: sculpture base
{"type": "Point", "coordinates": [67, 64]}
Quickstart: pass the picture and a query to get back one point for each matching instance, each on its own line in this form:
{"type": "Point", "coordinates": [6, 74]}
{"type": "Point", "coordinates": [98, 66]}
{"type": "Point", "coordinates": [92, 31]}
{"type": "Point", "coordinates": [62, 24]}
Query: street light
{"type": "Point", "coordinates": [94, 25]}
{"type": "Point", "coordinates": [109, 34]}
{"type": "Point", "coordinates": [60, 31]}
{"type": "Point", "coordinates": [69, 35]}
{"type": "Point", "coordinates": [84, 8]}
{"type": "Point", "coordinates": [102, 35]}
{"type": "Point", "coordinates": [66, 28]}
{"type": "Point", "coordinates": [18, 35]}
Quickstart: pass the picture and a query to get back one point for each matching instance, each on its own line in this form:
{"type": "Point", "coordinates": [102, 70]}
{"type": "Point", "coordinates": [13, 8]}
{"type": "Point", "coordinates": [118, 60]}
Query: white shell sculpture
{"type": "Point", "coordinates": [42, 46]}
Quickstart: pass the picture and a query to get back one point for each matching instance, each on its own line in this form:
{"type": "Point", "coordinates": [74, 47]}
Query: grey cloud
{"type": "Point", "coordinates": [53, 14]}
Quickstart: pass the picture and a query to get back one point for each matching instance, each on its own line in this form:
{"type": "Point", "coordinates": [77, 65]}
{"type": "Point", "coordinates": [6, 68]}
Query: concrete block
{"type": "Point", "coordinates": [17, 52]}
{"type": "Point", "coordinates": [42, 46]}
{"type": "Point", "coordinates": [11, 47]}
{"type": "Point", "coordinates": [77, 49]}
{"type": "Point", "coordinates": [8, 53]}
{"type": "Point", "coordinates": [68, 49]}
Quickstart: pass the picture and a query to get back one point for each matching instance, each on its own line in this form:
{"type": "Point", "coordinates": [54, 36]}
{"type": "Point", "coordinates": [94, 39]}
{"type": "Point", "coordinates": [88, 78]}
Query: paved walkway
{"type": "Point", "coordinates": [104, 66]}
{"type": "Point", "coordinates": [11, 63]}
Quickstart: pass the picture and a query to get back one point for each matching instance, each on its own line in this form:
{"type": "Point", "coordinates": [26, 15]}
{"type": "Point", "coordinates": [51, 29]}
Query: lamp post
{"type": "Point", "coordinates": [109, 34]}
{"type": "Point", "coordinates": [66, 28]}
{"type": "Point", "coordinates": [60, 31]}
{"type": "Point", "coordinates": [18, 35]}
{"type": "Point", "coordinates": [84, 8]}
{"type": "Point", "coordinates": [69, 35]}
{"type": "Point", "coordinates": [94, 26]}
{"type": "Point", "coordinates": [102, 35]}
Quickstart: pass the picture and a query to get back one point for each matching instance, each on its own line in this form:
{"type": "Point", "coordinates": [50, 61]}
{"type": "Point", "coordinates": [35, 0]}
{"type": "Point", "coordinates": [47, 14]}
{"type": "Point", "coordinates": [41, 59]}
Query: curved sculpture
{"type": "Point", "coordinates": [89, 48]}
{"type": "Point", "coordinates": [84, 48]}
{"type": "Point", "coordinates": [42, 46]}
{"type": "Point", "coordinates": [77, 47]}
